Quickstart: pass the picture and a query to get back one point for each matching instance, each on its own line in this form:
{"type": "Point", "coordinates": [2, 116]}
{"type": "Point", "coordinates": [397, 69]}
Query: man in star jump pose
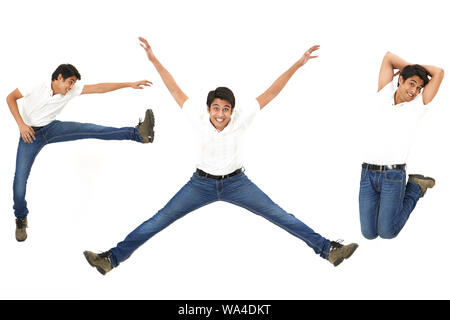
{"type": "Point", "coordinates": [219, 176]}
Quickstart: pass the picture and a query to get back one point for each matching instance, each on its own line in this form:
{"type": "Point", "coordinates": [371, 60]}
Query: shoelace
{"type": "Point", "coordinates": [20, 223]}
{"type": "Point", "coordinates": [336, 244]}
{"type": "Point", "coordinates": [105, 254]}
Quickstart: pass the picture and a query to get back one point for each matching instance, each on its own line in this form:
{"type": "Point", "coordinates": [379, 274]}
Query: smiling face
{"type": "Point", "coordinates": [62, 86]}
{"type": "Point", "coordinates": [220, 113]}
{"type": "Point", "coordinates": [408, 89]}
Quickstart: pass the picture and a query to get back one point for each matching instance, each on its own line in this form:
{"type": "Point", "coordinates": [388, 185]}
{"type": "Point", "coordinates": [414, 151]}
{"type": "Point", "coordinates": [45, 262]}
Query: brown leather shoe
{"type": "Point", "coordinates": [423, 182]}
{"type": "Point", "coordinates": [100, 261]}
{"type": "Point", "coordinates": [339, 252]}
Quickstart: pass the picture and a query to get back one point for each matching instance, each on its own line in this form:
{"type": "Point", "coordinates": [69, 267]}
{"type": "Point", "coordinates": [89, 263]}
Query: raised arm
{"type": "Point", "coordinates": [393, 62]}
{"type": "Point", "coordinates": [279, 84]}
{"type": "Point", "coordinates": [431, 89]}
{"type": "Point", "coordinates": [26, 131]}
{"type": "Point", "coordinates": [107, 87]}
{"type": "Point", "coordinates": [390, 63]}
{"type": "Point", "coordinates": [167, 78]}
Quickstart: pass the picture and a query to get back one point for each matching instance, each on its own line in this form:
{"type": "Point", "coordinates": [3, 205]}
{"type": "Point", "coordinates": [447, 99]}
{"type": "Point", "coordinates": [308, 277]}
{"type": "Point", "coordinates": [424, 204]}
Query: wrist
{"type": "Point", "coordinates": [298, 64]}
{"type": "Point", "coordinates": [152, 59]}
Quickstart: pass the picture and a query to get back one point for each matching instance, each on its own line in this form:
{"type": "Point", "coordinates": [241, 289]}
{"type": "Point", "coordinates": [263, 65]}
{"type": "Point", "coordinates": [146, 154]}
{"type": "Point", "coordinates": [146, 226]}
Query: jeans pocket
{"type": "Point", "coordinates": [197, 176]}
{"type": "Point", "coordinates": [363, 173]}
{"type": "Point", "coordinates": [394, 175]}
{"type": "Point", "coordinates": [236, 177]}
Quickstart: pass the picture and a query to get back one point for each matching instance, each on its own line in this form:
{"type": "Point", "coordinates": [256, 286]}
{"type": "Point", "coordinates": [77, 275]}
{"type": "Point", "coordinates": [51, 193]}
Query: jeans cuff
{"type": "Point", "coordinates": [113, 259]}
{"type": "Point", "coordinates": [325, 250]}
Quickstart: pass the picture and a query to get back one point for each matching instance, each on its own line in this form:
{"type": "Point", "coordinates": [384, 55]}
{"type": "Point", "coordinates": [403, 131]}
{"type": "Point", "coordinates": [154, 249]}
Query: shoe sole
{"type": "Point", "coordinates": [151, 116]}
{"type": "Point", "coordinates": [339, 261]}
{"type": "Point", "coordinates": [98, 268]}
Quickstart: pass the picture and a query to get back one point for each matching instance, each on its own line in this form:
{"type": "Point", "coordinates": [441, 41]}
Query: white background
{"type": "Point", "coordinates": [302, 150]}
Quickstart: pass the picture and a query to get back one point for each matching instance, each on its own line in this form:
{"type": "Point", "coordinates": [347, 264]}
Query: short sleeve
{"type": "Point", "coordinates": [246, 111]}
{"type": "Point", "coordinates": [77, 89]}
{"type": "Point", "coordinates": [27, 88]}
{"type": "Point", "coordinates": [194, 109]}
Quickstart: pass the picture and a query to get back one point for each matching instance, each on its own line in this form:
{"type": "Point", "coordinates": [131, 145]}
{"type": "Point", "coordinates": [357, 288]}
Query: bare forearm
{"type": "Point", "coordinates": [390, 63]}
{"type": "Point", "coordinates": [432, 88]}
{"type": "Point", "coordinates": [434, 71]}
{"type": "Point", "coordinates": [395, 61]}
{"type": "Point", "coordinates": [105, 87]}
{"type": "Point", "coordinates": [278, 85]}
{"type": "Point", "coordinates": [170, 83]}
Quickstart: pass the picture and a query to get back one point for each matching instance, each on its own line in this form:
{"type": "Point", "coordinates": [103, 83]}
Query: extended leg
{"type": "Point", "coordinates": [192, 196]}
{"type": "Point", "coordinates": [246, 194]}
{"type": "Point", "coordinates": [59, 131]}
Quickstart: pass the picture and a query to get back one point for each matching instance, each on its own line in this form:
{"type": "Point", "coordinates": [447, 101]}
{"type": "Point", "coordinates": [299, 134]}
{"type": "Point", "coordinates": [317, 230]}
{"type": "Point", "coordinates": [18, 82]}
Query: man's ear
{"type": "Point", "coordinates": [60, 77]}
{"type": "Point", "coordinates": [400, 80]}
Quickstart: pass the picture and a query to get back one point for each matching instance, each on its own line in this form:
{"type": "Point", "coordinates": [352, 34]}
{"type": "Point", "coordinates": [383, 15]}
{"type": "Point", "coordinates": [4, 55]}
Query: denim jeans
{"type": "Point", "coordinates": [200, 191]}
{"type": "Point", "coordinates": [58, 131]}
{"type": "Point", "coordinates": [385, 203]}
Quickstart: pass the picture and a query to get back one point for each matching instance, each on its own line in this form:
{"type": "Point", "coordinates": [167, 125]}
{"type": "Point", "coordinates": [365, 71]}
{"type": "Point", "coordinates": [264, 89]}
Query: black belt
{"type": "Point", "coordinates": [383, 168]}
{"type": "Point", "coordinates": [204, 174]}
{"type": "Point", "coordinates": [37, 128]}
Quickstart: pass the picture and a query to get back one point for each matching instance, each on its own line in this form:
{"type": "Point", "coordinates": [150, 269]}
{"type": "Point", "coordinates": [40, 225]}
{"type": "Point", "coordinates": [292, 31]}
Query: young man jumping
{"type": "Point", "coordinates": [38, 126]}
{"type": "Point", "coordinates": [386, 198]}
{"type": "Point", "coordinates": [219, 175]}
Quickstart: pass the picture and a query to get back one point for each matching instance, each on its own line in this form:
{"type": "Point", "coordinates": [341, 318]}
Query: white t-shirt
{"type": "Point", "coordinates": [220, 152]}
{"type": "Point", "coordinates": [390, 129]}
{"type": "Point", "coordinates": [40, 106]}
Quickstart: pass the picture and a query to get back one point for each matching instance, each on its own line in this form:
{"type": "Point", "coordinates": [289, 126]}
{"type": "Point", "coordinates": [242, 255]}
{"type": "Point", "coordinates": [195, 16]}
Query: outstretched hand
{"type": "Point", "coordinates": [144, 44]}
{"type": "Point", "coordinates": [141, 84]}
{"type": "Point", "coordinates": [307, 55]}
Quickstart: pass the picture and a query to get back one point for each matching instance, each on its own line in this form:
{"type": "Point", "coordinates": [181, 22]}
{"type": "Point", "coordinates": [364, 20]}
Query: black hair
{"type": "Point", "coordinates": [66, 71]}
{"type": "Point", "coordinates": [222, 93]}
{"type": "Point", "coordinates": [415, 70]}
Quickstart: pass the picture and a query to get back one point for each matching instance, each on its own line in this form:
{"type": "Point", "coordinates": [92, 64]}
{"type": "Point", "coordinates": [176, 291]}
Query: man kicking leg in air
{"type": "Point", "coordinates": [38, 126]}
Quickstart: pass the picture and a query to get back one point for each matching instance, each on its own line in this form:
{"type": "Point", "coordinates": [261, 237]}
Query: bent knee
{"type": "Point", "coordinates": [369, 236]}
{"type": "Point", "coordinates": [388, 233]}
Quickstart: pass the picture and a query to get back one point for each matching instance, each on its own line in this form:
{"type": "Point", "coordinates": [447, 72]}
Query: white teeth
{"type": "Point", "coordinates": [219, 120]}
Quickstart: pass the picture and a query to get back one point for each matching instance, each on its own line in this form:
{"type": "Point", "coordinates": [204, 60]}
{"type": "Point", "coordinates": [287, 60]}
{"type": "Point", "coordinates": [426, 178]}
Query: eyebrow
{"type": "Point", "coordinates": [225, 106]}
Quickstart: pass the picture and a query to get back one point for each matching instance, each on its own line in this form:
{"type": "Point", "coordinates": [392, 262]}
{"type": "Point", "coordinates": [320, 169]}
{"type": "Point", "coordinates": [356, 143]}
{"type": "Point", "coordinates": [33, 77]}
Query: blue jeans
{"type": "Point", "coordinates": [200, 191]}
{"type": "Point", "coordinates": [385, 203]}
{"type": "Point", "coordinates": [58, 131]}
